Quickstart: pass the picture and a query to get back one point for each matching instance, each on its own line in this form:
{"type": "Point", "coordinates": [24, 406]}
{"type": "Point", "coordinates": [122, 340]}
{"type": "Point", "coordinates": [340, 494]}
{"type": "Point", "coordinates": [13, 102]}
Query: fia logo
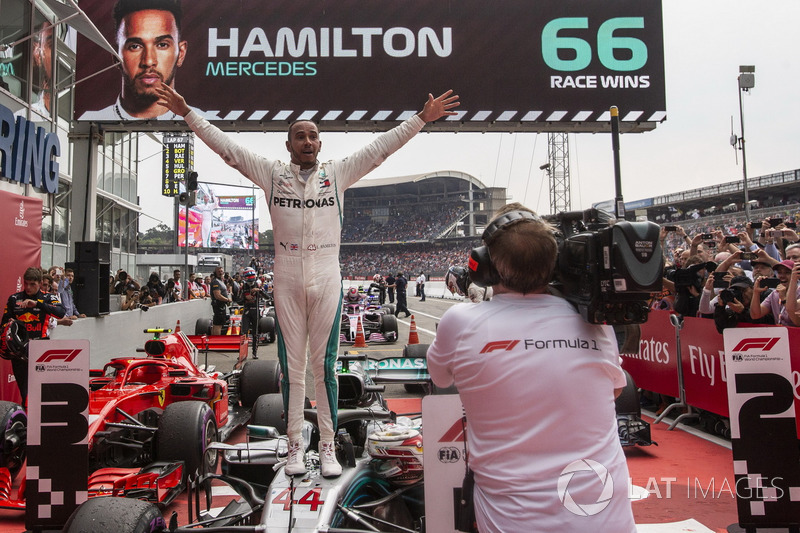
{"type": "Point", "coordinates": [737, 357]}
{"type": "Point", "coordinates": [449, 455]}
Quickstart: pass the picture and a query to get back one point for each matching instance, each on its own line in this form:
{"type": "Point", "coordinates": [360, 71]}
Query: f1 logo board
{"type": "Point", "coordinates": [58, 425]}
{"type": "Point", "coordinates": [762, 416]}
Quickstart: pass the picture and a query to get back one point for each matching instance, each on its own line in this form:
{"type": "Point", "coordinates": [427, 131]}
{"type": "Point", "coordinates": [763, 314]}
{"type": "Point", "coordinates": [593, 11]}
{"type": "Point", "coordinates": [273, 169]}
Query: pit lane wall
{"type": "Point", "coordinates": [702, 355]}
{"type": "Point", "coordinates": [118, 334]}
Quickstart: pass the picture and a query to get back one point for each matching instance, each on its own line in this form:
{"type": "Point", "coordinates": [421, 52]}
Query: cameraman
{"type": "Point", "coordinates": [517, 394]}
{"type": "Point", "coordinates": [252, 294]}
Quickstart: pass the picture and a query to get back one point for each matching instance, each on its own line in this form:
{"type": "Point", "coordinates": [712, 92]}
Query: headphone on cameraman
{"type": "Point", "coordinates": [481, 270]}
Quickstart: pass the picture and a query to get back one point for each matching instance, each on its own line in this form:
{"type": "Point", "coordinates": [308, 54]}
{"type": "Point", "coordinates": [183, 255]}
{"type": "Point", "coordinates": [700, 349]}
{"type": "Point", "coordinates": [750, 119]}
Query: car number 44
{"type": "Point", "coordinates": [310, 498]}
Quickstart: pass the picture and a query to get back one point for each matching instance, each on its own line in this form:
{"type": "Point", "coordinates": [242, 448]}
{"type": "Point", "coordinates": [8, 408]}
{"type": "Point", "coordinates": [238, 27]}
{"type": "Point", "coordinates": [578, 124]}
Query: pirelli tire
{"type": "Point", "coordinates": [627, 402]}
{"type": "Point", "coordinates": [185, 431]}
{"type": "Point", "coordinates": [266, 328]}
{"type": "Point", "coordinates": [14, 428]}
{"type": "Point", "coordinates": [268, 411]}
{"type": "Point", "coordinates": [390, 309]}
{"type": "Point", "coordinates": [203, 326]}
{"type": "Point", "coordinates": [258, 377]}
{"type": "Point", "coordinates": [108, 513]}
{"type": "Point", "coordinates": [389, 327]}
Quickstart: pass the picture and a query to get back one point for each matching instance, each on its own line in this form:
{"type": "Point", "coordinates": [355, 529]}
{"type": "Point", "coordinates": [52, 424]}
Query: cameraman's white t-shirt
{"type": "Point", "coordinates": [537, 383]}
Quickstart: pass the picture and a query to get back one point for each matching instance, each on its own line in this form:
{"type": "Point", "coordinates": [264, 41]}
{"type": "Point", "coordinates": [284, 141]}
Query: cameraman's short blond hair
{"type": "Point", "coordinates": [524, 252]}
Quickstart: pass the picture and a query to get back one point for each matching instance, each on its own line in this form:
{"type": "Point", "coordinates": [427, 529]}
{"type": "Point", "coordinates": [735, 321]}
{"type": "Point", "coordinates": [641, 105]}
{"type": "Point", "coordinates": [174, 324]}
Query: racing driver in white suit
{"type": "Point", "coordinates": [305, 201]}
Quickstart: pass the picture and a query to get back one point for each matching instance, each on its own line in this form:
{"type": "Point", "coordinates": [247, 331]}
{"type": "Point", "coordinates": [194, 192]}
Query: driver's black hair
{"type": "Point", "coordinates": [124, 8]}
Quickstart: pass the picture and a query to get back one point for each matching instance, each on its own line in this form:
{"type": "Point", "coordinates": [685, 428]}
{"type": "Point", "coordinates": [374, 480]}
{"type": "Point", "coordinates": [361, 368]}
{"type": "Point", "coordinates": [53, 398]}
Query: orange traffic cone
{"type": "Point", "coordinates": [361, 342]}
{"type": "Point", "coordinates": [413, 338]}
{"type": "Point", "coordinates": [178, 326]}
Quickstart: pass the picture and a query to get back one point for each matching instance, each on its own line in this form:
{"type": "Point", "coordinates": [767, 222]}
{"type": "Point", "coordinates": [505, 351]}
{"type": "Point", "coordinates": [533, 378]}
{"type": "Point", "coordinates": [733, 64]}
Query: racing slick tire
{"type": "Point", "coordinates": [258, 377]}
{"type": "Point", "coordinates": [389, 325]}
{"type": "Point", "coordinates": [266, 326]}
{"type": "Point", "coordinates": [628, 401]}
{"type": "Point", "coordinates": [14, 427]}
{"type": "Point", "coordinates": [184, 432]}
{"type": "Point", "coordinates": [415, 351]}
{"type": "Point", "coordinates": [268, 411]}
{"type": "Point", "coordinates": [108, 513]}
{"type": "Point", "coordinates": [202, 326]}
{"type": "Point", "coordinates": [390, 309]}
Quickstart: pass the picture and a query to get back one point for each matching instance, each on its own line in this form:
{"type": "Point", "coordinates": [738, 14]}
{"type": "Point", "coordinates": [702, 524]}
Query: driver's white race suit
{"type": "Point", "coordinates": [306, 221]}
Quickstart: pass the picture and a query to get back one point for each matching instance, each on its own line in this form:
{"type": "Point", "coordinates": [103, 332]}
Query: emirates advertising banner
{"type": "Point", "coordinates": [518, 65]}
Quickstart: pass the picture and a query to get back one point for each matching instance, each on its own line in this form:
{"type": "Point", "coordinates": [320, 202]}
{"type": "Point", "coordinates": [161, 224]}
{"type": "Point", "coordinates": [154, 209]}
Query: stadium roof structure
{"type": "Point", "coordinates": [379, 198]}
{"type": "Point", "coordinates": [415, 178]}
{"type": "Point", "coordinates": [772, 189]}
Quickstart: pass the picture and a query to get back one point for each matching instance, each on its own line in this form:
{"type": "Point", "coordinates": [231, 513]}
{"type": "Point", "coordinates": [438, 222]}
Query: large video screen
{"type": "Point", "coordinates": [227, 222]}
{"type": "Point", "coordinates": [358, 64]}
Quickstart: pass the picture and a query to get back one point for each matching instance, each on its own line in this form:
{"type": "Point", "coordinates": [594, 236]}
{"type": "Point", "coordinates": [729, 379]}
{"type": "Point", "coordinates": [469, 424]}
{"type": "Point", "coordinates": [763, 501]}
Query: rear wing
{"type": "Point", "coordinates": [402, 370]}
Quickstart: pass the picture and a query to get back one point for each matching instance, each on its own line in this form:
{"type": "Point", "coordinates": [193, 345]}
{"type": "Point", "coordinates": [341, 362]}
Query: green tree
{"type": "Point", "coordinates": [161, 235]}
{"type": "Point", "coordinates": [265, 238]}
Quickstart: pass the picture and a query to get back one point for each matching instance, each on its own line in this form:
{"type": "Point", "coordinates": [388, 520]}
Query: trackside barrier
{"type": "Point", "coordinates": [700, 351]}
{"type": "Point", "coordinates": [677, 323]}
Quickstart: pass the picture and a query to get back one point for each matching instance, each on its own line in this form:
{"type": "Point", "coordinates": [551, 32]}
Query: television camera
{"type": "Point", "coordinates": [607, 271]}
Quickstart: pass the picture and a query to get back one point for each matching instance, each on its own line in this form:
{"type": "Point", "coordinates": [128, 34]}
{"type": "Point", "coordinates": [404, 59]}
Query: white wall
{"type": "Point", "coordinates": [118, 334]}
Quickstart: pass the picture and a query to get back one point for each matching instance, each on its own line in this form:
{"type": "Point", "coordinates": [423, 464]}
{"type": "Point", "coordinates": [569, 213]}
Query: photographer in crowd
{"type": "Point", "coordinates": [732, 305]}
{"type": "Point", "coordinates": [133, 299]}
{"type": "Point", "coordinates": [154, 288]}
{"type": "Point", "coordinates": [119, 285]}
{"type": "Point", "coordinates": [561, 353]}
{"type": "Point", "coordinates": [775, 303]}
{"type": "Point", "coordinates": [252, 294]}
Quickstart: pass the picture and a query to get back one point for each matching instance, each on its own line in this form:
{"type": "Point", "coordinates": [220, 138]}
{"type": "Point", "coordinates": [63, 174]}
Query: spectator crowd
{"type": "Point", "coordinates": [733, 273]}
{"type": "Point", "coordinates": [402, 224]}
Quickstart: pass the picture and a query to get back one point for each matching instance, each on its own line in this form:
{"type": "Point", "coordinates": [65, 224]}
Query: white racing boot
{"type": "Point", "coordinates": [296, 461]}
{"type": "Point", "coordinates": [327, 460]}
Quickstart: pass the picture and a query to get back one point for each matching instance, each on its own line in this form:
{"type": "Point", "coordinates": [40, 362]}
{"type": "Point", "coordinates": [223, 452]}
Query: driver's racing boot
{"type": "Point", "coordinates": [327, 460]}
{"type": "Point", "coordinates": [296, 461]}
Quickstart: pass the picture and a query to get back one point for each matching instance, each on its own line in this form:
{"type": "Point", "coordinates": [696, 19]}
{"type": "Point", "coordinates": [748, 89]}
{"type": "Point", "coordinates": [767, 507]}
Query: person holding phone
{"type": "Point", "coordinates": [792, 304]}
{"type": "Point", "coordinates": [775, 303]}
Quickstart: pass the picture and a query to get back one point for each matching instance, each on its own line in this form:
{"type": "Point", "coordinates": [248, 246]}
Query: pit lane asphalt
{"type": "Point", "coordinates": [426, 315]}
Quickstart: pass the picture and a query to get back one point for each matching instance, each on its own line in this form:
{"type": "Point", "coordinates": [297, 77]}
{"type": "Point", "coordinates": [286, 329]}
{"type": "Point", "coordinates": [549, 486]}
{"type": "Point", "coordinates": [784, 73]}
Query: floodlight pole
{"type": "Point", "coordinates": [746, 81]}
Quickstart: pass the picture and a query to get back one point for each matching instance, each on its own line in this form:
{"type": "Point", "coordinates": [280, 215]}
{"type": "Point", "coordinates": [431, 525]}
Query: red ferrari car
{"type": "Point", "coordinates": [151, 419]}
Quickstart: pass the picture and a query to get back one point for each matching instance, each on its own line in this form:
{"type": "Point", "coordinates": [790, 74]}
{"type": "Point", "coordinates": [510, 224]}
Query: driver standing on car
{"type": "Point", "coordinates": [219, 301]}
{"type": "Point", "coordinates": [517, 361]}
{"type": "Point", "coordinates": [305, 200]}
